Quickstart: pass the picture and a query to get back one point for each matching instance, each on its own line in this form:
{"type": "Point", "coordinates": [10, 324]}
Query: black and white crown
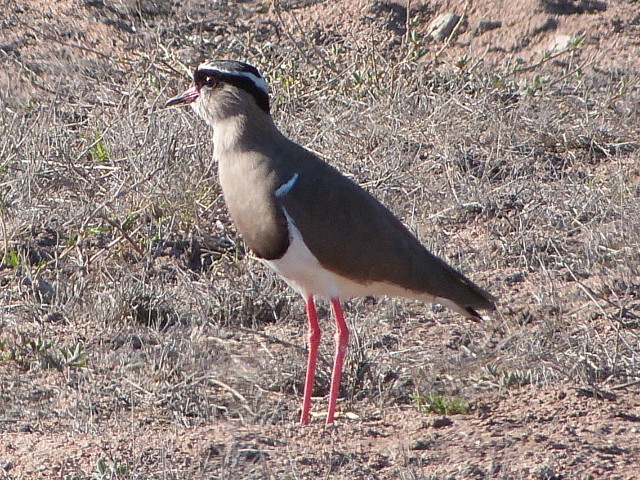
{"type": "Point", "coordinates": [239, 74]}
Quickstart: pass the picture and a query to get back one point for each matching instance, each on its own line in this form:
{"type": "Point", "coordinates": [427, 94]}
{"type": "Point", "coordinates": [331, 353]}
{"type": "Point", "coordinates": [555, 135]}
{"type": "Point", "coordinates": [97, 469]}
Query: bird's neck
{"type": "Point", "coordinates": [239, 132]}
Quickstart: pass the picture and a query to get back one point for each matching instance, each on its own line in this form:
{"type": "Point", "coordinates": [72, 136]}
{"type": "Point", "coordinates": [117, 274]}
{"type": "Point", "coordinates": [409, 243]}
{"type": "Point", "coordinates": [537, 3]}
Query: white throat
{"type": "Point", "coordinates": [226, 134]}
{"type": "Point", "coordinates": [226, 129]}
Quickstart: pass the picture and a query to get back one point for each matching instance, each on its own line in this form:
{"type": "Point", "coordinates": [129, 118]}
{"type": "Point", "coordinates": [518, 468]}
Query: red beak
{"type": "Point", "coordinates": [186, 98]}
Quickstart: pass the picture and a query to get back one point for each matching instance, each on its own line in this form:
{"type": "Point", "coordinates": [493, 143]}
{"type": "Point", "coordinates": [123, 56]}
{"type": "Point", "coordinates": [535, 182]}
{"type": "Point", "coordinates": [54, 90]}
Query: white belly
{"type": "Point", "coordinates": [302, 271]}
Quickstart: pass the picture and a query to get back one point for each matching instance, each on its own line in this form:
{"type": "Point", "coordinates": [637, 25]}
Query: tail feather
{"type": "Point", "coordinates": [456, 291]}
{"type": "Point", "coordinates": [465, 310]}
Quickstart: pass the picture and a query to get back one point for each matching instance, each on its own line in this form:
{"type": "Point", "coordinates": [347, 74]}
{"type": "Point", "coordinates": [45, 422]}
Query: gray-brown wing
{"type": "Point", "coordinates": [353, 234]}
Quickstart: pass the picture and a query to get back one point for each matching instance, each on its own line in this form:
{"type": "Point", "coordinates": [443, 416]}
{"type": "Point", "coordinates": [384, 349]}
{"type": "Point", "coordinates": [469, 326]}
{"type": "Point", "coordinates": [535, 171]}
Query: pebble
{"type": "Point", "coordinates": [443, 25]}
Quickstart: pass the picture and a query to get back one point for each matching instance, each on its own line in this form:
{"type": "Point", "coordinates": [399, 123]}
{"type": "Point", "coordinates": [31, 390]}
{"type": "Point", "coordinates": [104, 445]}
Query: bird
{"type": "Point", "coordinates": [319, 230]}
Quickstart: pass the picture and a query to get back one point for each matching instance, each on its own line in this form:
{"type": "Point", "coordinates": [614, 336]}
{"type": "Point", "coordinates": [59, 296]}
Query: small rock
{"type": "Point", "coordinates": [545, 473]}
{"type": "Point", "coordinates": [44, 291]}
{"type": "Point", "coordinates": [483, 410]}
{"type": "Point", "coordinates": [421, 444]}
{"type": "Point", "coordinates": [546, 25]}
{"type": "Point", "coordinates": [153, 8]}
{"type": "Point", "coordinates": [571, 276]}
{"type": "Point", "coordinates": [514, 278]}
{"type": "Point", "coordinates": [441, 422]}
{"type": "Point", "coordinates": [484, 26]}
{"type": "Point", "coordinates": [630, 417]}
{"type": "Point", "coordinates": [560, 42]}
{"type": "Point", "coordinates": [13, 47]}
{"type": "Point", "coordinates": [611, 449]}
{"type": "Point", "coordinates": [55, 317]}
{"type": "Point", "coordinates": [120, 25]}
{"type": "Point", "coordinates": [443, 25]}
{"type": "Point", "coordinates": [540, 437]}
{"type": "Point", "coordinates": [474, 471]}
{"type": "Point", "coordinates": [136, 342]}
{"type": "Point", "coordinates": [26, 428]}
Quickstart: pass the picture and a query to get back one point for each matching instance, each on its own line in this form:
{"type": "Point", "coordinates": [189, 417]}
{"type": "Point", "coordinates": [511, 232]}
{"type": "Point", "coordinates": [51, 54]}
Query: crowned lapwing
{"type": "Point", "coordinates": [324, 234]}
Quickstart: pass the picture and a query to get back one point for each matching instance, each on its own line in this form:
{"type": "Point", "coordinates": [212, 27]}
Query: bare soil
{"type": "Point", "coordinates": [140, 339]}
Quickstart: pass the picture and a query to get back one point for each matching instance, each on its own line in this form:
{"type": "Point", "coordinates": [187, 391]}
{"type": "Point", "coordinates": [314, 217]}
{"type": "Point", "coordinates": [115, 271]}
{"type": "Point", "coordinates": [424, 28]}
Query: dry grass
{"type": "Point", "coordinates": [126, 291]}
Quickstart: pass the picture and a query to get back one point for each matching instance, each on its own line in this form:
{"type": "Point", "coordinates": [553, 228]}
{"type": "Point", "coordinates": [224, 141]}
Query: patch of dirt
{"type": "Point", "coordinates": [531, 433]}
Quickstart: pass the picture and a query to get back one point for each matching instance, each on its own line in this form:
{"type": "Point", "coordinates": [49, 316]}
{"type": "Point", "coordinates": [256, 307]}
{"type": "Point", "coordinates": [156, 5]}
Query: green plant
{"type": "Point", "coordinates": [105, 471]}
{"type": "Point", "coordinates": [417, 50]}
{"type": "Point", "coordinates": [6, 353]}
{"type": "Point", "coordinates": [463, 61]}
{"type": "Point", "coordinates": [576, 42]}
{"type": "Point", "coordinates": [98, 151]}
{"type": "Point", "coordinates": [11, 259]}
{"type": "Point", "coordinates": [73, 356]}
{"type": "Point", "coordinates": [96, 230]}
{"type": "Point", "coordinates": [440, 404]}
{"type": "Point", "coordinates": [507, 379]}
{"type": "Point", "coordinates": [45, 352]}
{"type": "Point", "coordinates": [38, 345]}
{"type": "Point", "coordinates": [283, 77]}
{"type": "Point", "coordinates": [365, 78]}
{"type": "Point", "coordinates": [129, 222]}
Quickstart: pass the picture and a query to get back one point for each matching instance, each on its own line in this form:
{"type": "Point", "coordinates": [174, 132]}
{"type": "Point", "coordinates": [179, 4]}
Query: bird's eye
{"type": "Point", "coordinates": [210, 81]}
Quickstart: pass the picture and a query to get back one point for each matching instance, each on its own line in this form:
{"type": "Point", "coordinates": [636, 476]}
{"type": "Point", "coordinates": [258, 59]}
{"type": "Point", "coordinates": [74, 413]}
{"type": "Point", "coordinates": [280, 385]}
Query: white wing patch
{"type": "Point", "coordinates": [286, 187]}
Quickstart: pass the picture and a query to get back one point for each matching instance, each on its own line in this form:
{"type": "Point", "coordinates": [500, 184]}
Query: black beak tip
{"type": "Point", "coordinates": [184, 98]}
{"type": "Point", "coordinates": [179, 100]}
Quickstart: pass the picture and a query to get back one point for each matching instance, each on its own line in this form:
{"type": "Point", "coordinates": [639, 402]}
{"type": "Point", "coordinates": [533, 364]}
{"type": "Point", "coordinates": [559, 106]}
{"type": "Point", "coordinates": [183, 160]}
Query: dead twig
{"type": "Point", "coordinates": [278, 12]}
{"type": "Point", "coordinates": [126, 236]}
{"type": "Point", "coordinates": [453, 33]}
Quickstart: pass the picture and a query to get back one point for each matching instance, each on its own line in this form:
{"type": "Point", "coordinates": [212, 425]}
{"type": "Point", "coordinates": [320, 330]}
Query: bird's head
{"type": "Point", "coordinates": [223, 89]}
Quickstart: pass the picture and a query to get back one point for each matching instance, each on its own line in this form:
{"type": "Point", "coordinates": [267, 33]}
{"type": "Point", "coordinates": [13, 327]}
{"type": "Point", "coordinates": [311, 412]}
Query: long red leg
{"type": "Point", "coordinates": [342, 340]}
{"type": "Point", "coordinates": [314, 341]}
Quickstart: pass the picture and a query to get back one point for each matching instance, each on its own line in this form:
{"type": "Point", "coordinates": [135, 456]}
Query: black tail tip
{"type": "Point", "coordinates": [475, 315]}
